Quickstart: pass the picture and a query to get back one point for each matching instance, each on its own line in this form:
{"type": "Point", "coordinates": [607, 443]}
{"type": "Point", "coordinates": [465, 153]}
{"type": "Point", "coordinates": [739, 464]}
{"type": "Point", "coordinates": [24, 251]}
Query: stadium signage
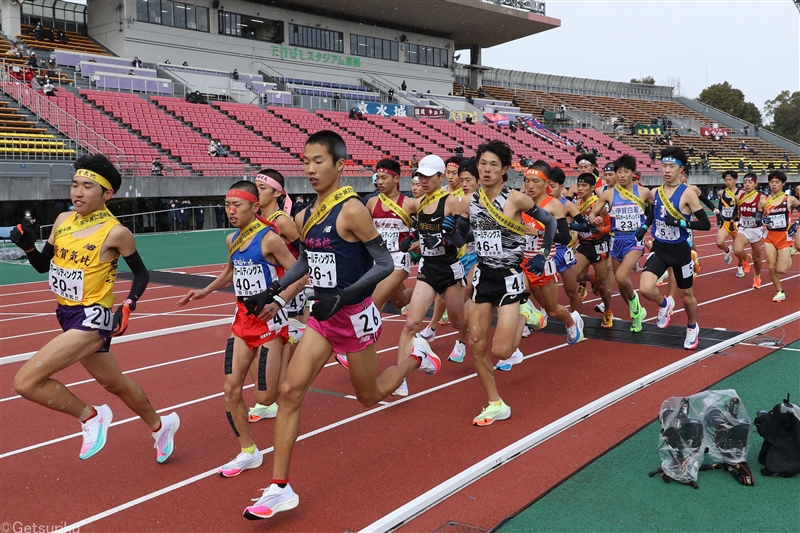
{"type": "Point", "coordinates": [714, 132]}
{"type": "Point", "coordinates": [310, 56]}
{"type": "Point", "coordinates": [384, 110]}
{"type": "Point", "coordinates": [649, 129]}
{"type": "Point", "coordinates": [462, 115]}
{"type": "Point", "coordinates": [434, 112]}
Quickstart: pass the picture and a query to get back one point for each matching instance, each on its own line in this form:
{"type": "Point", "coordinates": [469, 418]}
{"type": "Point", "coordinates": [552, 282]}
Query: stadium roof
{"type": "Point", "coordinates": [467, 22]}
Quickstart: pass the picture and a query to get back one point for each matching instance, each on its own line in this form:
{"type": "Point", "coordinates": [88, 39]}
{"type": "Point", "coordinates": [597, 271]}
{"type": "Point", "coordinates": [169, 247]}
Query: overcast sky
{"type": "Point", "coordinates": [752, 44]}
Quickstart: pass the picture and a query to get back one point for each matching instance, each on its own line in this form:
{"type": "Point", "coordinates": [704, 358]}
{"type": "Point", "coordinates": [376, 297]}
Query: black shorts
{"type": "Point", "coordinates": [677, 256]}
{"type": "Point", "coordinates": [498, 286]}
{"type": "Point", "coordinates": [440, 275]}
{"type": "Point", "coordinates": [595, 251]}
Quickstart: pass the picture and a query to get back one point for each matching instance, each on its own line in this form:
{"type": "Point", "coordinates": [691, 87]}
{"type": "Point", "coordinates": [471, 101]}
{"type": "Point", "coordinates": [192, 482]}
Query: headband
{"type": "Point", "coordinates": [415, 178]}
{"type": "Point", "coordinates": [95, 177]}
{"type": "Point", "coordinates": [750, 177]}
{"type": "Point", "coordinates": [244, 195]}
{"type": "Point", "coordinates": [670, 159]}
{"type": "Point", "coordinates": [387, 171]}
{"type": "Point", "coordinates": [272, 182]}
{"type": "Point", "coordinates": [581, 179]}
{"type": "Point", "coordinates": [452, 164]}
{"type": "Point", "coordinates": [535, 172]}
{"type": "Point", "coordinates": [582, 161]}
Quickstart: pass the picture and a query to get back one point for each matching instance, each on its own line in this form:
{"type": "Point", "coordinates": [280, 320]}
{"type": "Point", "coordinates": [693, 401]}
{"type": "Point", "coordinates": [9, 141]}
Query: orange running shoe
{"type": "Point", "coordinates": [608, 320]}
{"type": "Point", "coordinates": [696, 261]}
{"type": "Point", "coordinates": [581, 290]}
{"type": "Point", "coordinates": [756, 282]}
{"type": "Point", "coordinates": [746, 264]}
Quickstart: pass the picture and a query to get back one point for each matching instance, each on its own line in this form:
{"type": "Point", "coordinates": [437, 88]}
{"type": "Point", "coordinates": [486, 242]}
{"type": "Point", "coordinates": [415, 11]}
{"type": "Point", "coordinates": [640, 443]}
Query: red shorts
{"type": "Point", "coordinates": [778, 239]}
{"type": "Point", "coordinates": [352, 328]}
{"type": "Point", "coordinates": [540, 280]}
{"type": "Point", "coordinates": [254, 331]}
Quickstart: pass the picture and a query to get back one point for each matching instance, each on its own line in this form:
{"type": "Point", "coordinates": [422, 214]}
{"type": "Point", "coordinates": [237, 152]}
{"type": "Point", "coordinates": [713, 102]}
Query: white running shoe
{"type": "Point", "coordinates": [402, 390]}
{"type": "Point", "coordinates": [95, 431]}
{"type": "Point", "coordinates": [526, 331]}
{"type": "Point", "coordinates": [429, 361]}
{"type": "Point", "coordinates": [506, 364]}
{"type": "Point", "coordinates": [692, 337]}
{"type": "Point", "coordinates": [165, 437]}
{"type": "Point", "coordinates": [665, 313]}
{"type": "Point", "coordinates": [728, 255]}
{"type": "Point", "coordinates": [260, 412]}
{"type": "Point", "coordinates": [272, 501]}
{"type": "Point", "coordinates": [458, 353]}
{"type": "Point", "coordinates": [243, 461]}
{"type": "Point", "coordinates": [575, 333]}
{"type": "Point", "coordinates": [342, 360]}
{"type": "Point", "coordinates": [428, 334]}
{"type": "Point", "coordinates": [296, 330]}
{"type": "Point", "coordinates": [600, 308]}
{"type": "Point", "coordinates": [739, 272]}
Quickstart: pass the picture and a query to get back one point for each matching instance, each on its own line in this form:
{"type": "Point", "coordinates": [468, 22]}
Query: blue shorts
{"type": "Point", "coordinates": [87, 318]}
{"type": "Point", "coordinates": [624, 243]}
{"type": "Point", "coordinates": [469, 260]}
{"type": "Point", "coordinates": [564, 258]}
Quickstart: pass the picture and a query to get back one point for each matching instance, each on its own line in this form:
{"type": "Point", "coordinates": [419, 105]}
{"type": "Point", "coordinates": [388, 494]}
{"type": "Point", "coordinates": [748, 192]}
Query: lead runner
{"type": "Point", "coordinates": [81, 255]}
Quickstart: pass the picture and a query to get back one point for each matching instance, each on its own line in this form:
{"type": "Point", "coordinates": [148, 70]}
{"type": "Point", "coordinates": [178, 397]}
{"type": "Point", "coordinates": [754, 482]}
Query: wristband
{"type": "Point", "coordinates": [545, 252]}
{"type": "Point", "coordinates": [279, 301]}
{"type": "Point", "coordinates": [683, 223]}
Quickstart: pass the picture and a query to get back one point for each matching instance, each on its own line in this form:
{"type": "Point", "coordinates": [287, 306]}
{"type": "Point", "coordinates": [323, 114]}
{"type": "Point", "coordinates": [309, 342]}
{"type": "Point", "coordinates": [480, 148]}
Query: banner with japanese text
{"type": "Point", "coordinates": [712, 132]}
{"type": "Point", "coordinates": [462, 115]}
{"type": "Point", "coordinates": [430, 112]}
{"type": "Point", "coordinates": [311, 56]}
{"type": "Point", "coordinates": [649, 129]}
{"type": "Point", "coordinates": [384, 110]}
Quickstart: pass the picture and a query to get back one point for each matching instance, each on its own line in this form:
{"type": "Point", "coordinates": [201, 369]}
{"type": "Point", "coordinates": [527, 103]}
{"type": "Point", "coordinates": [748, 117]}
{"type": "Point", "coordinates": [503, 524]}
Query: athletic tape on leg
{"type": "Point", "coordinates": [229, 357]}
{"type": "Point", "coordinates": [230, 421]}
{"type": "Point", "coordinates": [262, 368]}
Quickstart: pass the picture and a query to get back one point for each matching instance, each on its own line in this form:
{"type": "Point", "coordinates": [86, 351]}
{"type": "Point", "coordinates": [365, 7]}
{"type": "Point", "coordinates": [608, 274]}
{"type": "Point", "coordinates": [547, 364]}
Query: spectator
{"type": "Point", "coordinates": [219, 214]}
{"type": "Point", "coordinates": [32, 61]}
{"type": "Point", "coordinates": [470, 99]}
{"type": "Point", "coordinates": [92, 60]}
{"type": "Point", "coordinates": [713, 152]}
{"type": "Point", "coordinates": [750, 167]}
{"type": "Point", "coordinates": [157, 167]}
{"type": "Point", "coordinates": [185, 63]}
{"type": "Point", "coordinates": [212, 149]}
{"type": "Point", "coordinates": [37, 83]}
{"type": "Point", "coordinates": [786, 156]}
{"type": "Point", "coordinates": [513, 127]}
{"type": "Point", "coordinates": [414, 164]}
{"type": "Point", "coordinates": [514, 102]}
{"type": "Point", "coordinates": [468, 120]}
{"type": "Point", "coordinates": [428, 91]}
{"type": "Point", "coordinates": [38, 31]}
{"type": "Point", "coordinates": [463, 91]}
{"type": "Point", "coordinates": [137, 63]}
{"type": "Point", "coordinates": [741, 164]}
{"type": "Point", "coordinates": [221, 152]}
{"type": "Point", "coordinates": [51, 63]}
{"type": "Point", "coordinates": [62, 37]}
{"type": "Point", "coordinates": [167, 62]}
{"type": "Point", "coordinates": [756, 129]}
{"type": "Point", "coordinates": [746, 130]}
{"type": "Point", "coordinates": [403, 86]}
{"type": "Point", "coordinates": [184, 215]}
{"type": "Point", "coordinates": [391, 93]}
{"type": "Point", "coordinates": [691, 150]}
{"type": "Point", "coordinates": [235, 74]}
{"type": "Point", "coordinates": [359, 115]}
{"type": "Point", "coordinates": [652, 154]}
{"type": "Point", "coordinates": [172, 215]}
{"type": "Point", "coordinates": [610, 145]}
{"type": "Point", "coordinates": [352, 114]}
{"type": "Point", "coordinates": [770, 166]}
{"type": "Point", "coordinates": [562, 110]}
{"type": "Point", "coordinates": [199, 216]}
{"type": "Point", "coordinates": [131, 73]}
{"type": "Point", "coordinates": [48, 88]}
{"type": "Point", "coordinates": [481, 94]}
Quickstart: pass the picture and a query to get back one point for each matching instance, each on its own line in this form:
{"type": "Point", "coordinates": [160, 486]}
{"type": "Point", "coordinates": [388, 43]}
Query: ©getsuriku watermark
{"type": "Point", "coordinates": [34, 527]}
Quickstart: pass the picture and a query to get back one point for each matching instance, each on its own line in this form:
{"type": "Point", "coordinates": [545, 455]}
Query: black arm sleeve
{"type": "Point", "coordinates": [708, 203]}
{"type": "Point", "coordinates": [549, 222]}
{"type": "Point", "coordinates": [650, 215]}
{"type": "Point", "coordinates": [296, 244]}
{"type": "Point", "coordinates": [384, 265]}
{"type": "Point", "coordinates": [297, 270]}
{"type": "Point", "coordinates": [141, 277]}
{"type": "Point", "coordinates": [465, 228]}
{"type": "Point", "coordinates": [41, 260]}
{"type": "Point", "coordinates": [702, 223]}
{"type": "Point", "coordinates": [562, 232]}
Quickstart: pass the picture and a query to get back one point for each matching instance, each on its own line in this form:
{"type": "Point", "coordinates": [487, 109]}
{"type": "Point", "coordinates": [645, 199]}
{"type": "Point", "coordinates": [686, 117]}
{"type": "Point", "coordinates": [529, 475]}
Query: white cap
{"type": "Point", "coordinates": [430, 165]}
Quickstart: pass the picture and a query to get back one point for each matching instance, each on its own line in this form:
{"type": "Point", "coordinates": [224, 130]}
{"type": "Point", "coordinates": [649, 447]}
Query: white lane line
{"type": "Point", "coordinates": [175, 486]}
{"type": "Point", "coordinates": [52, 300]}
{"type": "Point", "coordinates": [449, 487]}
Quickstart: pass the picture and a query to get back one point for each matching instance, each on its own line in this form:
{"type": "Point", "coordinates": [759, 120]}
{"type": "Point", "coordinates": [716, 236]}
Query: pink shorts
{"type": "Point", "coordinates": [352, 328]}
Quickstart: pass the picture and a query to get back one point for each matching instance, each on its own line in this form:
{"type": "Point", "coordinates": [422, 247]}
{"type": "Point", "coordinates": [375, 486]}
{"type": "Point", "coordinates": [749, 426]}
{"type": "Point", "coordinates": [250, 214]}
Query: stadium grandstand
{"type": "Point", "coordinates": [161, 79]}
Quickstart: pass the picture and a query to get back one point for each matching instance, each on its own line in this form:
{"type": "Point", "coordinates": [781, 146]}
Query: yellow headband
{"type": "Point", "coordinates": [95, 177]}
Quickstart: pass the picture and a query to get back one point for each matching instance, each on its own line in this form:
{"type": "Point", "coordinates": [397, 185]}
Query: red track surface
{"type": "Point", "coordinates": [355, 470]}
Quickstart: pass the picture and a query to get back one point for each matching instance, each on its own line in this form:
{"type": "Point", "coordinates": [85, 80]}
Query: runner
{"type": "Point", "coordinates": [628, 204]}
{"type": "Point", "coordinates": [543, 285]}
{"type": "Point", "coordinates": [565, 253]}
{"type": "Point", "coordinates": [586, 163]}
{"type": "Point", "coordinates": [777, 210]}
{"type": "Point", "coordinates": [257, 257]}
{"type": "Point", "coordinates": [727, 218]}
{"type": "Point", "coordinates": [440, 271]}
{"type": "Point", "coordinates": [593, 245]}
{"type": "Point", "coordinates": [674, 205]}
{"type": "Point", "coordinates": [498, 283]}
{"type": "Point", "coordinates": [609, 181]}
{"type": "Point", "coordinates": [81, 256]}
{"type": "Point", "coordinates": [346, 259]}
{"type": "Point", "coordinates": [750, 203]}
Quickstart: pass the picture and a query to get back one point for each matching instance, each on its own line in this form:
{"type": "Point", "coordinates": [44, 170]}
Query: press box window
{"type": "Point", "coordinates": [363, 46]}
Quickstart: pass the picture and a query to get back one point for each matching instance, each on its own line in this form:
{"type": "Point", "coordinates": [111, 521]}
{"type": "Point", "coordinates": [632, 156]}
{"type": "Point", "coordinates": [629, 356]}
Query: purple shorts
{"type": "Point", "coordinates": [352, 328]}
{"type": "Point", "coordinates": [87, 318]}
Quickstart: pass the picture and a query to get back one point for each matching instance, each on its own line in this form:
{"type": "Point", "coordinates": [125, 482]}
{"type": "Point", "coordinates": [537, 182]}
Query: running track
{"type": "Point", "coordinates": [352, 466]}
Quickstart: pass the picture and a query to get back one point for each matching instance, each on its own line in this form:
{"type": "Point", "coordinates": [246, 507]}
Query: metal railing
{"type": "Point", "coordinates": [39, 148]}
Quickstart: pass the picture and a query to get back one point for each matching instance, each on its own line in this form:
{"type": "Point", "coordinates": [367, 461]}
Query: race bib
{"type": "Point", "coordinates": [402, 261]}
{"type": "Point", "coordinates": [601, 248]}
{"type": "Point", "coordinates": [549, 267]}
{"type": "Point", "coordinates": [392, 239]}
{"type": "Point", "coordinates": [727, 212]}
{"type": "Point", "coordinates": [367, 322]}
{"type": "Point", "coordinates": [278, 322]}
{"type": "Point", "coordinates": [488, 243]}
{"type": "Point", "coordinates": [569, 256]}
{"type": "Point", "coordinates": [532, 243]}
{"type": "Point", "coordinates": [687, 270]}
{"type": "Point", "coordinates": [777, 221]}
{"type": "Point", "coordinates": [436, 250]}
{"type": "Point", "coordinates": [515, 283]}
{"type": "Point", "coordinates": [666, 233]}
{"type": "Point", "coordinates": [67, 282]}
{"type": "Point", "coordinates": [248, 280]}
{"type": "Point", "coordinates": [747, 222]}
{"type": "Point", "coordinates": [297, 304]}
{"type": "Point", "coordinates": [322, 269]}
{"type": "Point", "coordinates": [98, 317]}
{"type": "Point", "coordinates": [627, 222]}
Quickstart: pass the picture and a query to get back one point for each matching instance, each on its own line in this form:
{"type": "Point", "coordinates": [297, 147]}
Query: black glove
{"type": "Point", "coordinates": [256, 303]}
{"type": "Point", "coordinates": [22, 235]}
{"type": "Point", "coordinates": [767, 222]}
{"type": "Point", "coordinates": [583, 227]}
{"type": "Point", "coordinates": [449, 224]}
{"type": "Point", "coordinates": [793, 230]}
{"type": "Point", "coordinates": [121, 316]}
{"type": "Point", "coordinates": [720, 221]}
{"type": "Point", "coordinates": [536, 264]}
{"type": "Point", "coordinates": [641, 232]}
{"type": "Point", "coordinates": [431, 241]}
{"type": "Point", "coordinates": [326, 305]}
{"type": "Point", "coordinates": [741, 471]}
{"type": "Point", "coordinates": [406, 243]}
{"type": "Point", "coordinates": [670, 220]}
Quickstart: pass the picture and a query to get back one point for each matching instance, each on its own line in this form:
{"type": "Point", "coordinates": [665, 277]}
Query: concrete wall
{"type": "Point", "coordinates": [154, 43]}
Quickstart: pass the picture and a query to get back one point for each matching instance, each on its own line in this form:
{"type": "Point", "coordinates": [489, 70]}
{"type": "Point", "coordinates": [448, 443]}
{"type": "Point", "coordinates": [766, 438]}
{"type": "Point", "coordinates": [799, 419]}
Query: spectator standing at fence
{"type": "Point", "coordinates": [184, 215]}
{"type": "Point", "coordinates": [235, 75]}
{"type": "Point", "coordinates": [199, 216]}
{"type": "Point", "coordinates": [219, 214]}
{"type": "Point", "coordinates": [32, 61]}
{"type": "Point", "coordinates": [157, 167]}
{"type": "Point", "coordinates": [172, 215]}
{"type": "Point", "coordinates": [137, 63]}
{"type": "Point", "coordinates": [403, 86]}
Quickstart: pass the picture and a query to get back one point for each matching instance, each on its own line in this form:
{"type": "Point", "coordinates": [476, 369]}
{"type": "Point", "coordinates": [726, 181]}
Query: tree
{"type": "Point", "coordinates": [647, 80]}
{"type": "Point", "coordinates": [731, 100]}
{"type": "Point", "coordinates": [784, 111]}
